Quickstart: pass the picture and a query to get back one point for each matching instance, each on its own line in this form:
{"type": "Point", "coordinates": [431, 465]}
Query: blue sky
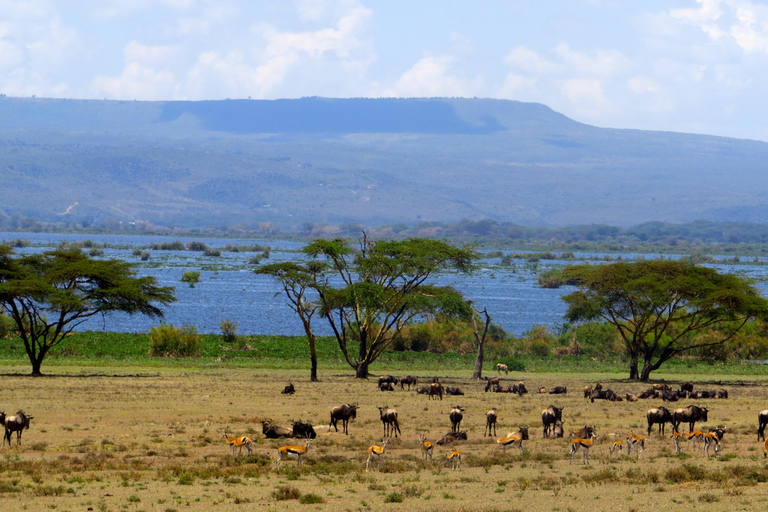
{"type": "Point", "coordinates": [696, 66]}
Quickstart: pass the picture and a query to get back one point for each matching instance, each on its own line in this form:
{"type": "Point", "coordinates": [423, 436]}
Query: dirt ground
{"type": "Point", "coordinates": [147, 439]}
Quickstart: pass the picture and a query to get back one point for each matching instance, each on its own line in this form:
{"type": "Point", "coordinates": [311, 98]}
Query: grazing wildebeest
{"type": "Point", "coordinates": [690, 415]}
{"type": "Point", "coordinates": [272, 431]}
{"type": "Point", "coordinates": [408, 379]}
{"type": "Point", "coordinates": [762, 421]}
{"type": "Point", "coordinates": [389, 421]}
{"type": "Point", "coordinates": [344, 412]}
{"type": "Point", "coordinates": [549, 416]}
{"type": "Point", "coordinates": [687, 388]}
{"type": "Point", "coordinates": [304, 430]}
{"type": "Point", "coordinates": [490, 422]}
{"type": "Point", "coordinates": [456, 416]}
{"type": "Point", "coordinates": [16, 423]}
{"type": "Point", "coordinates": [435, 390]}
{"type": "Point", "coordinates": [449, 438]}
{"type": "Point", "coordinates": [492, 383]}
{"type": "Point", "coordinates": [386, 386]}
{"type": "Point", "coordinates": [387, 378]}
{"type": "Point", "coordinates": [501, 367]}
{"type": "Point", "coordinates": [289, 389]}
{"type": "Point", "coordinates": [453, 391]}
{"type": "Point", "coordinates": [660, 415]}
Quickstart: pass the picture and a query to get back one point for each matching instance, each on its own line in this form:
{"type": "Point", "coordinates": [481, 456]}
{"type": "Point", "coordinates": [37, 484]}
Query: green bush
{"type": "Point", "coordinates": [229, 330]}
{"type": "Point", "coordinates": [309, 499]}
{"type": "Point", "coordinates": [171, 341]}
{"type": "Point", "coordinates": [394, 497]}
{"type": "Point", "coordinates": [6, 326]}
{"type": "Point", "coordinates": [286, 492]}
{"type": "Point", "coordinates": [197, 246]}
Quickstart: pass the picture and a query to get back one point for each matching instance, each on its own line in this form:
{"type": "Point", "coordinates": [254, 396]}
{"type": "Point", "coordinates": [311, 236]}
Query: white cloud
{"type": "Point", "coordinates": [602, 63]}
{"type": "Point", "coordinates": [10, 54]}
{"type": "Point", "coordinates": [136, 52]}
{"type": "Point", "coordinates": [642, 85]}
{"type": "Point", "coordinates": [528, 60]}
{"type": "Point", "coordinates": [431, 76]}
{"type": "Point", "coordinates": [137, 81]}
{"type": "Point", "coordinates": [584, 92]}
{"type": "Point", "coordinates": [707, 13]}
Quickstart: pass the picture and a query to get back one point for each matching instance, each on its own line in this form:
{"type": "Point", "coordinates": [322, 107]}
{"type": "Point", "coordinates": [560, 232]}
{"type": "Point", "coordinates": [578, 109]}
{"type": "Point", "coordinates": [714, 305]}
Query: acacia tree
{"type": "Point", "coordinates": [658, 307]}
{"type": "Point", "coordinates": [369, 294]}
{"type": "Point", "coordinates": [48, 295]}
{"type": "Point", "coordinates": [297, 281]}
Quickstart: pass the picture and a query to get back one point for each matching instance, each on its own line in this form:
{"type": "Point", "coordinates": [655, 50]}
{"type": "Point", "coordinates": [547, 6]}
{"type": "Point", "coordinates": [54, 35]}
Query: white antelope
{"type": "Point", "coordinates": [376, 453]}
{"type": "Point", "coordinates": [292, 452]}
{"type": "Point", "coordinates": [584, 445]}
{"type": "Point", "coordinates": [455, 458]}
{"type": "Point", "coordinates": [426, 446]}
{"type": "Point", "coordinates": [676, 437]}
{"type": "Point", "coordinates": [511, 441]}
{"type": "Point", "coordinates": [635, 443]}
{"type": "Point", "coordinates": [239, 442]}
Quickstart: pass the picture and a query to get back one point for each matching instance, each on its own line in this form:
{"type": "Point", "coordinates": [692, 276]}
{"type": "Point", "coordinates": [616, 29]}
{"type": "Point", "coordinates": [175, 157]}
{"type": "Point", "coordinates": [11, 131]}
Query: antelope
{"type": "Point", "coordinates": [584, 445]}
{"type": "Point", "coordinates": [490, 422]}
{"type": "Point", "coordinates": [455, 458]}
{"type": "Point", "coordinates": [616, 446]}
{"type": "Point", "coordinates": [511, 441]}
{"type": "Point", "coordinates": [376, 453]}
{"type": "Point", "coordinates": [676, 441]}
{"type": "Point", "coordinates": [697, 436]}
{"type": "Point", "coordinates": [456, 416]}
{"type": "Point", "coordinates": [709, 439]}
{"type": "Point", "coordinates": [290, 452]}
{"type": "Point", "coordinates": [636, 443]}
{"type": "Point", "coordinates": [426, 446]}
{"type": "Point", "coordinates": [238, 442]}
{"type": "Point", "coordinates": [501, 367]}
{"type": "Point", "coordinates": [389, 421]}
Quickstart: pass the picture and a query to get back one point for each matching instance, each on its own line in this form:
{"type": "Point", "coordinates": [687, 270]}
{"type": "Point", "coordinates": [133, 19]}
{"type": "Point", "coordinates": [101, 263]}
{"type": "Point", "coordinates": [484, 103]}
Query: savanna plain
{"type": "Point", "coordinates": [137, 438]}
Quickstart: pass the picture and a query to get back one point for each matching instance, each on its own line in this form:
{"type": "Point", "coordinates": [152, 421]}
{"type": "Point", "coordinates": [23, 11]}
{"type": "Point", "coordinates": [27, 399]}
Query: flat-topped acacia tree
{"type": "Point", "coordinates": [48, 295]}
{"type": "Point", "coordinates": [369, 293]}
{"type": "Point", "coordinates": [658, 307]}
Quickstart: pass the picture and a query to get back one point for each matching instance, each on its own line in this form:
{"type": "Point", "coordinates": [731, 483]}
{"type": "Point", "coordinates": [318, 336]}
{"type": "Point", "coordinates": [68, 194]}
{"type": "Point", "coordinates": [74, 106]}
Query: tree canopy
{"type": "Point", "coordinates": [368, 294]}
{"type": "Point", "coordinates": [48, 295]}
{"type": "Point", "coordinates": [658, 306]}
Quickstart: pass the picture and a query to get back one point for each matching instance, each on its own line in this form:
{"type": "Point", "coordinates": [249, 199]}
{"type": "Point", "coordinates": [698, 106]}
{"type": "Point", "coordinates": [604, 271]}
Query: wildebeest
{"type": "Point", "coordinates": [456, 416]}
{"type": "Point", "coordinates": [304, 430]}
{"type": "Point", "coordinates": [660, 415]}
{"type": "Point", "coordinates": [501, 367]}
{"type": "Point", "coordinates": [690, 415]}
{"type": "Point", "coordinates": [453, 391]}
{"type": "Point", "coordinates": [605, 394]}
{"type": "Point", "coordinates": [519, 388]}
{"type": "Point", "coordinates": [762, 421]}
{"type": "Point", "coordinates": [16, 423]}
{"type": "Point", "coordinates": [435, 390]}
{"type": "Point", "coordinates": [389, 421]}
{"type": "Point", "coordinates": [344, 412]}
{"type": "Point", "coordinates": [451, 437]}
{"type": "Point", "coordinates": [422, 390]}
{"type": "Point", "coordinates": [557, 390]}
{"type": "Point", "coordinates": [587, 391]}
{"type": "Point", "coordinates": [557, 431]}
{"type": "Point", "coordinates": [549, 416]}
{"type": "Point", "coordinates": [687, 388]}
{"type": "Point", "coordinates": [387, 378]}
{"type": "Point", "coordinates": [697, 395]}
{"type": "Point", "coordinates": [408, 379]}
{"type": "Point", "coordinates": [723, 393]}
{"type": "Point", "coordinates": [490, 422]}
{"type": "Point", "coordinates": [522, 432]}
{"type": "Point", "coordinates": [272, 431]}
{"type": "Point", "coordinates": [386, 386]}
{"type": "Point", "coordinates": [492, 383]}
{"type": "Point", "coordinates": [583, 433]}
{"type": "Point", "coordinates": [289, 389]}
{"type": "Point", "coordinates": [631, 398]}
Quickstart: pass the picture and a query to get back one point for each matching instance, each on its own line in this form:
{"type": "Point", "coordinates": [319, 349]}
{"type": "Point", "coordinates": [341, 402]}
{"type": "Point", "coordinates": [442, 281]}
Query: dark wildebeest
{"type": "Point", "coordinates": [492, 383]}
{"type": "Point", "coordinates": [272, 431]}
{"type": "Point", "coordinates": [303, 430]}
{"type": "Point", "coordinates": [762, 421]}
{"type": "Point", "coordinates": [697, 395]}
{"type": "Point", "coordinates": [587, 392]}
{"type": "Point", "coordinates": [386, 386]}
{"type": "Point", "coordinates": [687, 388]}
{"type": "Point", "coordinates": [522, 432]}
{"type": "Point", "coordinates": [289, 389]}
{"type": "Point", "coordinates": [453, 391]}
{"type": "Point", "coordinates": [723, 393]}
{"type": "Point", "coordinates": [549, 416]}
{"type": "Point", "coordinates": [519, 388]}
{"type": "Point", "coordinates": [660, 415]}
{"type": "Point", "coordinates": [557, 430]}
{"type": "Point", "coordinates": [16, 423]}
{"type": "Point", "coordinates": [689, 415]}
{"type": "Point", "coordinates": [344, 412]}
{"type": "Point", "coordinates": [435, 390]}
{"type": "Point", "coordinates": [449, 438]}
{"type": "Point", "coordinates": [389, 421]}
{"type": "Point", "coordinates": [456, 416]}
{"type": "Point", "coordinates": [584, 433]}
{"type": "Point", "coordinates": [490, 422]}
{"type": "Point", "coordinates": [557, 390]}
{"type": "Point", "coordinates": [408, 379]}
{"type": "Point", "coordinates": [604, 394]}
{"type": "Point", "coordinates": [387, 378]}
{"type": "Point", "coordinates": [422, 390]}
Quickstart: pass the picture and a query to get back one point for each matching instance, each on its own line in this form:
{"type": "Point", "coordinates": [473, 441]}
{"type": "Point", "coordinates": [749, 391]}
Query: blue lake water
{"type": "Point", "coordinates": [230, 289]}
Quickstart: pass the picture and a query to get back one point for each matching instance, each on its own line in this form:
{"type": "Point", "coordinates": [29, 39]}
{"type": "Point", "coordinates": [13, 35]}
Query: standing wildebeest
{"type": "Point", "coordinates": [387, 378]}
{"type": "Point", "coordinates": [587, 392]}
{"type": "Point", "coordinates": [16, 423]}
{"type": "Point", "coordinates": [557, 430]}
{"type": "Point", "coordinates": [549, 416]}
{"type": "Point", "coordinates": [456, 416]}
{"type": "Point", "coordinates": [343, 412]}
{"type": "Point", "coordinates": [490, 422]}
{"type": "Point", "coordinates": [501, 367]}
{"type": "Point", "coordinates": [660, 415]}
{"type": "Point", "coordinates": [389, 421]}
{"type": "Point", "coordinates": [762, 421]}
{"type": "Point", "coordinates": [491, 384]}
{"type": "Point", "coordinates": [686, 388]}
{"type": "Point", "coordinates": [435, 390]}
{"type": "Point", "coordinates": [408, 379]}
{"type": "Point", "coordinates": [689, 415]}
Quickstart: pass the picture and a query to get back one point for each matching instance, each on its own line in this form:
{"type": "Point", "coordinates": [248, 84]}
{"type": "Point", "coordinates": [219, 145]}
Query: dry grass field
{"type": "Point", "coordinates": [150, 439]}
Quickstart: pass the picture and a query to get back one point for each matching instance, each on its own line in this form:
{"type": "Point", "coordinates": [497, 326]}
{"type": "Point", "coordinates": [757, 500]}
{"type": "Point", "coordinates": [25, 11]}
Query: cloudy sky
{"type": "Point", "coordinates": [680, 65]}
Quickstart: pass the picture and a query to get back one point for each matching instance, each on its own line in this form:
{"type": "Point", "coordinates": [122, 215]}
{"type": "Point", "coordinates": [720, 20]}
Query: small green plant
{"type": "Point", "coordinates": [394, 497]}
{"type": "Point", "coordinates": [191, 278]}
{"type": "Point", "coordinates": [309, 499]}
{"type": "Point", "coordinates": [168, 340]}
{"type": "Point", "coordinates": [186, 479]}
{"type": "Point", "coordinates": [286, 492]}
{"type": "Point", "coordinates": [229, 330]}
{"type": "Point", "coordinates": [197, 246]}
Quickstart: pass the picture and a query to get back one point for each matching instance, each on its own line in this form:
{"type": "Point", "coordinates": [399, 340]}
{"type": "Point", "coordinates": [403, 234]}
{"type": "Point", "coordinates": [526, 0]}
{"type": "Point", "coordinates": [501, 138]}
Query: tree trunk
{"type": "Point", "coordinates": [361, 372]}
{"type": "Point", "coordinates": [37, 362]}
{"type": "Point", "coordinates": [478, 374]}
{"type": "Point", "coordinates": [312, 358]}
{"type": "Point", "coordinates": [633, 372]}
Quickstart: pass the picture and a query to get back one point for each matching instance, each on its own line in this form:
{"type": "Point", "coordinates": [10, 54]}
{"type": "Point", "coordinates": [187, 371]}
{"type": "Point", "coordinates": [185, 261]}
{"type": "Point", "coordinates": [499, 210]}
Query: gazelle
{"type": "Point", "coordinates": [376, 453]}
{"type": "Point", "coordinates": [709, 439]}
{"type": "Point", "coordinates": [584, 445]}
{"type": "Point", "coordinates": [636, 443]}
{"type": "Point", "coordinates": [238, 442]}
{"type": "Point", "coordinates": [511, 441]}
{"type": "Point", "coordinates": [455, 458]}
{"type": "Point", "coordinates": [426, 446]}
{"type": "Point", "coordinates": [616, 446]}
{"type": "Point", "coordinates": [697, 436]}
{"type": "Point", "coordinates": [292, 452]}
{"type": "Point", "coordinates": [676, 437]}
{"type": "Point", "coordinates": [765, 448]}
